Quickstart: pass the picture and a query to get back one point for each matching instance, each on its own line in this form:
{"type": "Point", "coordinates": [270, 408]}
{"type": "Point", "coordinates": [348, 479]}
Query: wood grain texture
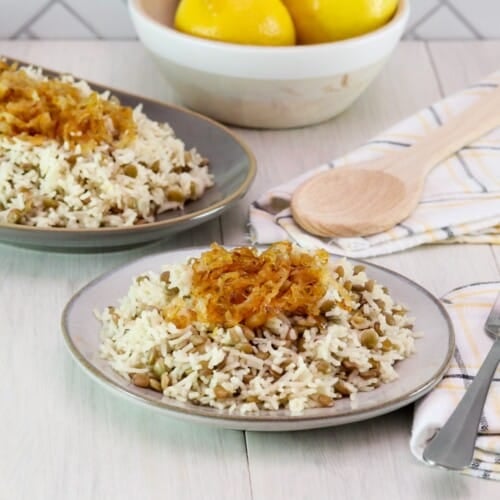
{"type": "Point", "coordinates": [64, 437]}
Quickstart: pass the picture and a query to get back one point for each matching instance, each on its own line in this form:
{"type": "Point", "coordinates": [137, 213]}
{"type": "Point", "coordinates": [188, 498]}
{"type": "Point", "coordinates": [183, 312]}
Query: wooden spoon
{"type": "Point", "coordinates": [374, 196]}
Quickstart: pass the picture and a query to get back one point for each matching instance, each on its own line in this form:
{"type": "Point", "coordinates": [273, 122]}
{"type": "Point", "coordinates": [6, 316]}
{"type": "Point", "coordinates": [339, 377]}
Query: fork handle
{"type": "Point", "coordinates": [453, 446]}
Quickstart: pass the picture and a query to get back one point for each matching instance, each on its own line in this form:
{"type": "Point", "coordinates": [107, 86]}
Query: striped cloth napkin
{"type": "Point", "coordinates": [460, 202]}
{"type": "Point", "coordinates": [468, 308]}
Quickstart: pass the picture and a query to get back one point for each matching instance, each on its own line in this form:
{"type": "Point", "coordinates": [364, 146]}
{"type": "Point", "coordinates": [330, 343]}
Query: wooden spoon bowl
{"type": "Point", "coordinates": [373, 209]}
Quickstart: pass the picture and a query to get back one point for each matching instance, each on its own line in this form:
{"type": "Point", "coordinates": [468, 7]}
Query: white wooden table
{"type": "Point", "coordinates": [63, 437]}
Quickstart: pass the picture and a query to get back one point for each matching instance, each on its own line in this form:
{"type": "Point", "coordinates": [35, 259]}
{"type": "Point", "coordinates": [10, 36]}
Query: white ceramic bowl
{"type": "Point", "coordinates": [264, 87]}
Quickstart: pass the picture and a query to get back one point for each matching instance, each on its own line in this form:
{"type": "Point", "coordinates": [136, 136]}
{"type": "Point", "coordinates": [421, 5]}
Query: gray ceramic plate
{"type": "Point", "coordinates": [231, 162]}
{"type": "Point", "coordinates": [418, 374]}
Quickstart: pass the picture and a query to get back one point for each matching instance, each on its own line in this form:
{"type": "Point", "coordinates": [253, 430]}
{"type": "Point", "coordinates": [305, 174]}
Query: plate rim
{"type": "Point", "coordinates": [155, 225]}
{"type": "Point", "coordinates": [236, 420]}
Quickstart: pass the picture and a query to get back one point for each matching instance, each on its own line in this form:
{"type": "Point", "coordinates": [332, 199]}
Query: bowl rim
{"type": "Point", "coordinates": [399, 18]}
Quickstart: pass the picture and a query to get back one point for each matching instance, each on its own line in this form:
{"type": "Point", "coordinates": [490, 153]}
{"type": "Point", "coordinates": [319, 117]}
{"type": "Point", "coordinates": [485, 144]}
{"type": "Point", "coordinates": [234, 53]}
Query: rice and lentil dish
{"type": "Point", "coordinates": [73, 158]}
{"type": "Point", "coordinates": [244, 331]}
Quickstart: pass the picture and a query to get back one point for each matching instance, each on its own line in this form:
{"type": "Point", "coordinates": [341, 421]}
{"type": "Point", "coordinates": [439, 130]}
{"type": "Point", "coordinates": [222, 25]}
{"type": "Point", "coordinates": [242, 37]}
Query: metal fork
{"type": "Point", "coordinates": [453, 445]}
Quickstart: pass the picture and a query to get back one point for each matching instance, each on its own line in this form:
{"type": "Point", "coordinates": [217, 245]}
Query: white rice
{"type": "Point", "coordinates": [302, 369]}
{"type": "Point", "coordinates": [54, 185]}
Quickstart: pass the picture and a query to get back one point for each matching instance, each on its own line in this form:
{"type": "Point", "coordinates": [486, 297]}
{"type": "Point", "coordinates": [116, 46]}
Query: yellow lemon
{"type": "Point", "coordinates": [251, 22]}
{"type": "Point", "coordinates": [318, 21]}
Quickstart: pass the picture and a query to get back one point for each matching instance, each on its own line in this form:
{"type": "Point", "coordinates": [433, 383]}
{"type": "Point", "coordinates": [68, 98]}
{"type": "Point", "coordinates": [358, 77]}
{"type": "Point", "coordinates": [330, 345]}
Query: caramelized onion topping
{"type": "Point", "coordinates": [240, 286]}
{"type": "Point", "coordinates": [39, 110]}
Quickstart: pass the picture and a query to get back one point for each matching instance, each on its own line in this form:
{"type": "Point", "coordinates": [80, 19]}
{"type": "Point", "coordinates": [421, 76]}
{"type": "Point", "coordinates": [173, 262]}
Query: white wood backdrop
{"type": "Point", "coordinates": [64, 437]}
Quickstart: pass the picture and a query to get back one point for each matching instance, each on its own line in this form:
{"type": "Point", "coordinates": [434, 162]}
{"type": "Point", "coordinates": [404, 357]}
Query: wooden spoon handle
{"type": "Point", "coordinates": [479, 118]}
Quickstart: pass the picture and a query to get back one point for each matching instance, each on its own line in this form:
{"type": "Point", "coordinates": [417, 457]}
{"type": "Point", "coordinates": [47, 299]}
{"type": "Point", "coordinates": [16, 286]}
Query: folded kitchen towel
{"type": "Point", "coordinates": [460, 201]}
{"type": "Point", "coordinates": [468, 308]}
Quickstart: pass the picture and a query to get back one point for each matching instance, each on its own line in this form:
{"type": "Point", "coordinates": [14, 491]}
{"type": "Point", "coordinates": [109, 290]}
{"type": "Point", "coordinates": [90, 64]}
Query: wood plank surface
{"type": "Point", "coordinates": [65, 437]}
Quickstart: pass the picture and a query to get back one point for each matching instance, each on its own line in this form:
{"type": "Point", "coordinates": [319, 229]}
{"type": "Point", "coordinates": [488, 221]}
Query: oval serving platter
{"type": "Point", "coordinates": [231, 162]}
{"type": "Point", "coordinates": [418, 374]}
